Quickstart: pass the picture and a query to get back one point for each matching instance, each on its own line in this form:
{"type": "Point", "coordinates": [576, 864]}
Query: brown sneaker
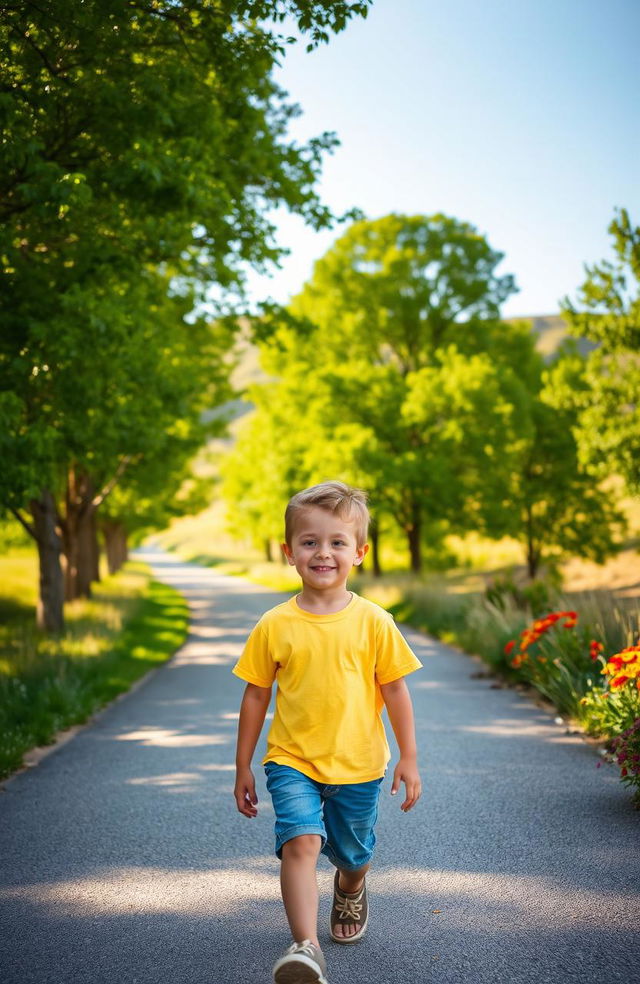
{"type": "Point", "coordinates": [349, 909]}
{"type": "Point", "coordinates": [303, 963]}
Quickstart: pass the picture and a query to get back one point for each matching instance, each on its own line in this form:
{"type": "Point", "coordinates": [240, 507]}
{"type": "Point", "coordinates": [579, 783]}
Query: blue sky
{"type": "Point", "coordinates": [519, 116]}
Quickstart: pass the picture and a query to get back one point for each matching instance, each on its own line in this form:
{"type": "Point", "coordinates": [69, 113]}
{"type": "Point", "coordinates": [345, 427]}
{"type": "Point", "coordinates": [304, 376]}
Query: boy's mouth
{"type": "Point", "coordinates": [322, 568]}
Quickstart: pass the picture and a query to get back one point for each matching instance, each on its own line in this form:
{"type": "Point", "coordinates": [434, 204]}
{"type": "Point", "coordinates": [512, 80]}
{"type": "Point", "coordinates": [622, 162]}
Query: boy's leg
{"type": "Point", "coordinates": [350, 814]}
{"type": "Point", "coordinates": [299, 886]}
{"type": "Point", "coordinates": [350, 882]}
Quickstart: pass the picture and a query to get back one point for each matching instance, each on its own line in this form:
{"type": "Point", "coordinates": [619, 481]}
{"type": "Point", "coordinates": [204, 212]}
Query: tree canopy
{"type": "Point", "coordinates": [408, 382]}
{"type": "Point", "coordinates": [146, 144]}
{"type": "Point", "coordinates": [605, 390]}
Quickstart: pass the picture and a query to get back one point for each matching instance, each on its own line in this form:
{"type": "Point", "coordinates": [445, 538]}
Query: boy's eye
{"type": "Point", "coordinates": [338, 543]}
{"type": "Point", "coordinates": [308, 543]}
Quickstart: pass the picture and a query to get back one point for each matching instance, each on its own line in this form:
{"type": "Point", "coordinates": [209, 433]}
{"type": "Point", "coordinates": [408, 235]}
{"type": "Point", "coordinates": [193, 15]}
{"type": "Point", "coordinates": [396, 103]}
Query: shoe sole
{"type": "Point", "coordinates": [298, 970]}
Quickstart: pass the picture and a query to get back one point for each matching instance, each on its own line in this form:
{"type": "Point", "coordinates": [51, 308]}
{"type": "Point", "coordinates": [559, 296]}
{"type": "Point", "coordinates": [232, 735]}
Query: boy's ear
{"type": "Point", "coordinates": [361, 553]}
{"type": "Point", "coordinates": [286, 549]}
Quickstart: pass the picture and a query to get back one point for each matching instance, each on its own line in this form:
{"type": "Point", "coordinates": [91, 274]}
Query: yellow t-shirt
{"type": "Point", "coordinates": [327, 722]}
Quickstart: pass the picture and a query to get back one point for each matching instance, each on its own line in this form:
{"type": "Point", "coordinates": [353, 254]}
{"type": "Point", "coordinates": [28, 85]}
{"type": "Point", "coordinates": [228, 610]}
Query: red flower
{"type": "Point", "coordinates": [509, 646]}
{"type": "Point", "coordinates": [619, 681]}
{"type": "Point", "coordinates": [595, 648]}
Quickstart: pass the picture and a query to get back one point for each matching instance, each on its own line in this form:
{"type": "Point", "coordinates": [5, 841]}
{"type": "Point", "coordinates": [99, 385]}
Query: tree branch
{"type": "Point", "coordinates": [111, 484]}
{"type": "Point", "coordinates": [23, 522]}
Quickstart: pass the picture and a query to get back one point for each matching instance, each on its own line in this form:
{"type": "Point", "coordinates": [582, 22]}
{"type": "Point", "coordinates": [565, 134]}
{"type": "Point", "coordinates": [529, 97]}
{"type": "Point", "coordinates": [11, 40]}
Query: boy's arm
{"type": "Point", "coordinates": [400, 710]}
{"type": "Point", "coordinates": [253, 709]}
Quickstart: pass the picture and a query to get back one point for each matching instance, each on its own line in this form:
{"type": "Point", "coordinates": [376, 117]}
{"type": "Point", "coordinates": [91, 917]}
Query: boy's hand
{"type": "Point", "coordinates": [245, 793]}
{"type": "Point", "coordinates": [406, 771]}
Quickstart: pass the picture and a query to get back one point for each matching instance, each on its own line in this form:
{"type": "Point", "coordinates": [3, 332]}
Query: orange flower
{"type": "Point", "coordinates": [619, 681]}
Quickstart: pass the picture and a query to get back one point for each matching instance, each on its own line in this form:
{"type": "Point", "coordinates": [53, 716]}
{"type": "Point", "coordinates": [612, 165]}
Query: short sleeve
{"type": "Point", "coordinates": [394, 656]}
{"type": "Point", "coordinates": [255, 664]}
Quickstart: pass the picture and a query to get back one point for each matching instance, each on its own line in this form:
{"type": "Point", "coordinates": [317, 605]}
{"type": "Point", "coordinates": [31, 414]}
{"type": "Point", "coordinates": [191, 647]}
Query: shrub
{"type": "Point", "coordinates": [626, 752]}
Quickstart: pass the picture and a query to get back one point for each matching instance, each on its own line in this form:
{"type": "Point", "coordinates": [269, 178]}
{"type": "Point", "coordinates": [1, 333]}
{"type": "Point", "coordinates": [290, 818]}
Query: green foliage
{"type": "Point", "coordinates": [390, 402]}
{"type": "Point", "coordinates": [132, 626]}
{"type": "Point", "coordinates": [606, 394]}
{"type": "Point", "coordinates": [148, 143]}
{"type": "Point", "coordinates": [13, 536]}
{"type": "Point", "coordinates": [408, 384]}
{"type": "Point", "coordinates": [553, 504]}
{"type": "Point", "coordinates": [502, 592]}
{"type": "Point", "coordinates": [395, 289]}
{"type": "Point", "coordinates": [605, 713]}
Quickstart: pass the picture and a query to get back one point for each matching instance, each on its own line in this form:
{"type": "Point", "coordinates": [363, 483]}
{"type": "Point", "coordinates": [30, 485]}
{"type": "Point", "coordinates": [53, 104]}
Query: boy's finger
{"type": "Point", "coordinates": [248, 809]}
{"type": "Point", "coordinates": [395, 786]}
{"type": "Point", "coordinates": [412, 797]}
{"type": "Point", "coordinates": [246, 803]}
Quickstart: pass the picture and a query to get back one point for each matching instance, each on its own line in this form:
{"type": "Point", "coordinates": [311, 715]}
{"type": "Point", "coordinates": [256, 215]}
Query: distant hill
{"type": "Point", "coordinates": [550, 331]}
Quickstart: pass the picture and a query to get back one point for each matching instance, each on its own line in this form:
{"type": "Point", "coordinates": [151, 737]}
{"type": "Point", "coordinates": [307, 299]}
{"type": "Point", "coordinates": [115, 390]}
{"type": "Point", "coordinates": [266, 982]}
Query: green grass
{"type": "Point", "coordinates": [130, 625]}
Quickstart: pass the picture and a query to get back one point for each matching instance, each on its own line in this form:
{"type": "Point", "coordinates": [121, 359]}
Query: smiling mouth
{"type": "Point", "coordinates": [323, 569]}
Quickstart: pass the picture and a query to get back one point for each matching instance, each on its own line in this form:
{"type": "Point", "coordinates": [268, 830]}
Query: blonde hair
{"type": "Point", "coordinates": [336, 497]}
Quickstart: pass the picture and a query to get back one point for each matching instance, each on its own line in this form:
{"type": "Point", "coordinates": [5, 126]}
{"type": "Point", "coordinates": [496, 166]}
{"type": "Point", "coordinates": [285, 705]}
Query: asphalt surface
{"type": "Point", "coordinates": [123, 858]}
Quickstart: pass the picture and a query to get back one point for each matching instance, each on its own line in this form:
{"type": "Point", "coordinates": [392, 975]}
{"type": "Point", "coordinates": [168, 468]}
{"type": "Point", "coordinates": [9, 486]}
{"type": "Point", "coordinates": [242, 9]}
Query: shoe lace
{"type": "Point", "coordinates": [305, 947]}
{"type": "Point", "coordinates": [349, 908]}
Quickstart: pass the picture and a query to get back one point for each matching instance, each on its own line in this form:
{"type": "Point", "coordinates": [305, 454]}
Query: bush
{"type": "Point", "coordinates": [535, 597]}
{"type": "Point", "coordinates": [626, 752]}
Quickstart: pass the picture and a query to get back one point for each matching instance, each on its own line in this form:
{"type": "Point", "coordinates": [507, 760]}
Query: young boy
{"type": "Point", "coordinates": [337, 660]}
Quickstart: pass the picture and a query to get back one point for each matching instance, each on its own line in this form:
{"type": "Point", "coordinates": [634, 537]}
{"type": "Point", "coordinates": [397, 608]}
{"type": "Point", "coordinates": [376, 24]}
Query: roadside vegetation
{"type": "Point", "coordinates": [47, 684]}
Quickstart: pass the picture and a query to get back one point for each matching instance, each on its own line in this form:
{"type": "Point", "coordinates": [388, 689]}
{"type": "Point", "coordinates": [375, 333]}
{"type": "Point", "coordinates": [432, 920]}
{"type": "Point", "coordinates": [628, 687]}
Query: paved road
{"type": "Point", "coordinates": [123, 858]}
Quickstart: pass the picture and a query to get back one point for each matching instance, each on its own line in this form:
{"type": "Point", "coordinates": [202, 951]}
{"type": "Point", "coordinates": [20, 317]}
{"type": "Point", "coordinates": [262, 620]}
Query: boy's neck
{"type": "Point", "coordinates": [323, 602]}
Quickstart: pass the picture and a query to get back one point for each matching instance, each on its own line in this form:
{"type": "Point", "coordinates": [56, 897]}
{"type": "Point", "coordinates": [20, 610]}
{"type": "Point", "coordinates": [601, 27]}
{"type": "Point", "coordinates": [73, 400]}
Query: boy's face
{"type": "Point", "coordinates": [323, 548]}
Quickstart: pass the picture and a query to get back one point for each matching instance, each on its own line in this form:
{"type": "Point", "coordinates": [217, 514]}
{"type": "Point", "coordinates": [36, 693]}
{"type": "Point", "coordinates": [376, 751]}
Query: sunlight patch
{"type": "Point", "coordinates": [164, 738]}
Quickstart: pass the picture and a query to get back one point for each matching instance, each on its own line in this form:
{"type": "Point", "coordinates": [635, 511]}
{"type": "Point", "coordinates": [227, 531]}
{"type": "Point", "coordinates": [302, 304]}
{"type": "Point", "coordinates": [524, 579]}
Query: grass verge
{"type": "Point", "coordinates": [131, 625]}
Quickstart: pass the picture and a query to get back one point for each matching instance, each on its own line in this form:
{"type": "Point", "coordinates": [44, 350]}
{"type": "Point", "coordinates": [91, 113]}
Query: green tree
{"type": "Point", "coordinates": [382, 303]}
{"type": "Point", "coordinates": [444, 423]}
{"type": "Point", "coordinates": [553, 506]}
{"type": "Point", "coordinates": [401, 287]}
{"type": "Point", "coordinates": [605, 389]}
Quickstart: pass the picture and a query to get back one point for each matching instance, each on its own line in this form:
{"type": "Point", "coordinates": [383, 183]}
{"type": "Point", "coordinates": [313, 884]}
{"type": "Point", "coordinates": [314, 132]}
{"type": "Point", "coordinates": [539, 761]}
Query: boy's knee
{"type": "Point", "coordinates": [303, 846]}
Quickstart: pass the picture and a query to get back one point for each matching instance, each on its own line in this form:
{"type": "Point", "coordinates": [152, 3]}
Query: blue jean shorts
{"type": "Point", "coordinates": [343, 816]}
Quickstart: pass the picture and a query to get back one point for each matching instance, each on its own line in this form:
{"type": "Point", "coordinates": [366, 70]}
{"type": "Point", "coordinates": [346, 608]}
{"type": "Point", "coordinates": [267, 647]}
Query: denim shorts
{"type": "Point", "coordinates": [343, 816]}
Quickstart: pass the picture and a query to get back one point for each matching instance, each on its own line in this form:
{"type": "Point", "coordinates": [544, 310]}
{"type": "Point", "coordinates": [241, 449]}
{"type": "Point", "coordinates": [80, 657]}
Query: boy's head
{"type": "Point", "coordinates": [344, 501]}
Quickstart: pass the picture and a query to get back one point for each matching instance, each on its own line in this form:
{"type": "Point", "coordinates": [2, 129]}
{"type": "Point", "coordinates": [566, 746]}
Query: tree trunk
{"type": "Point", "coordinates": [124, 545]}
{"type": "Point", "coordinates": [267, 551]}
{"type": "Point", "coordinates": [49, 614]}
{"type": "Point", "coordinates": [80, 539]}
{"type": "Point", "coordinates": [374, 536]}
{"type": "Point", "coordinates": [115, 540]}
{"type": "Point", "coordinates": [533, 554]}
{"type": "Point", "coordinates": [533, 561]}
{"type": "Point", "coordinates": [414, 538]}
{"type": "Point", "coordinates": [94, 546]}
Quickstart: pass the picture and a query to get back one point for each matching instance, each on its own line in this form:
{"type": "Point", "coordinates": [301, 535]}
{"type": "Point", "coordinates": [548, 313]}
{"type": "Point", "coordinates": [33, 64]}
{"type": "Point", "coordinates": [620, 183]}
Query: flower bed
{"type": "Point", "coordinates": [564, 667]}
